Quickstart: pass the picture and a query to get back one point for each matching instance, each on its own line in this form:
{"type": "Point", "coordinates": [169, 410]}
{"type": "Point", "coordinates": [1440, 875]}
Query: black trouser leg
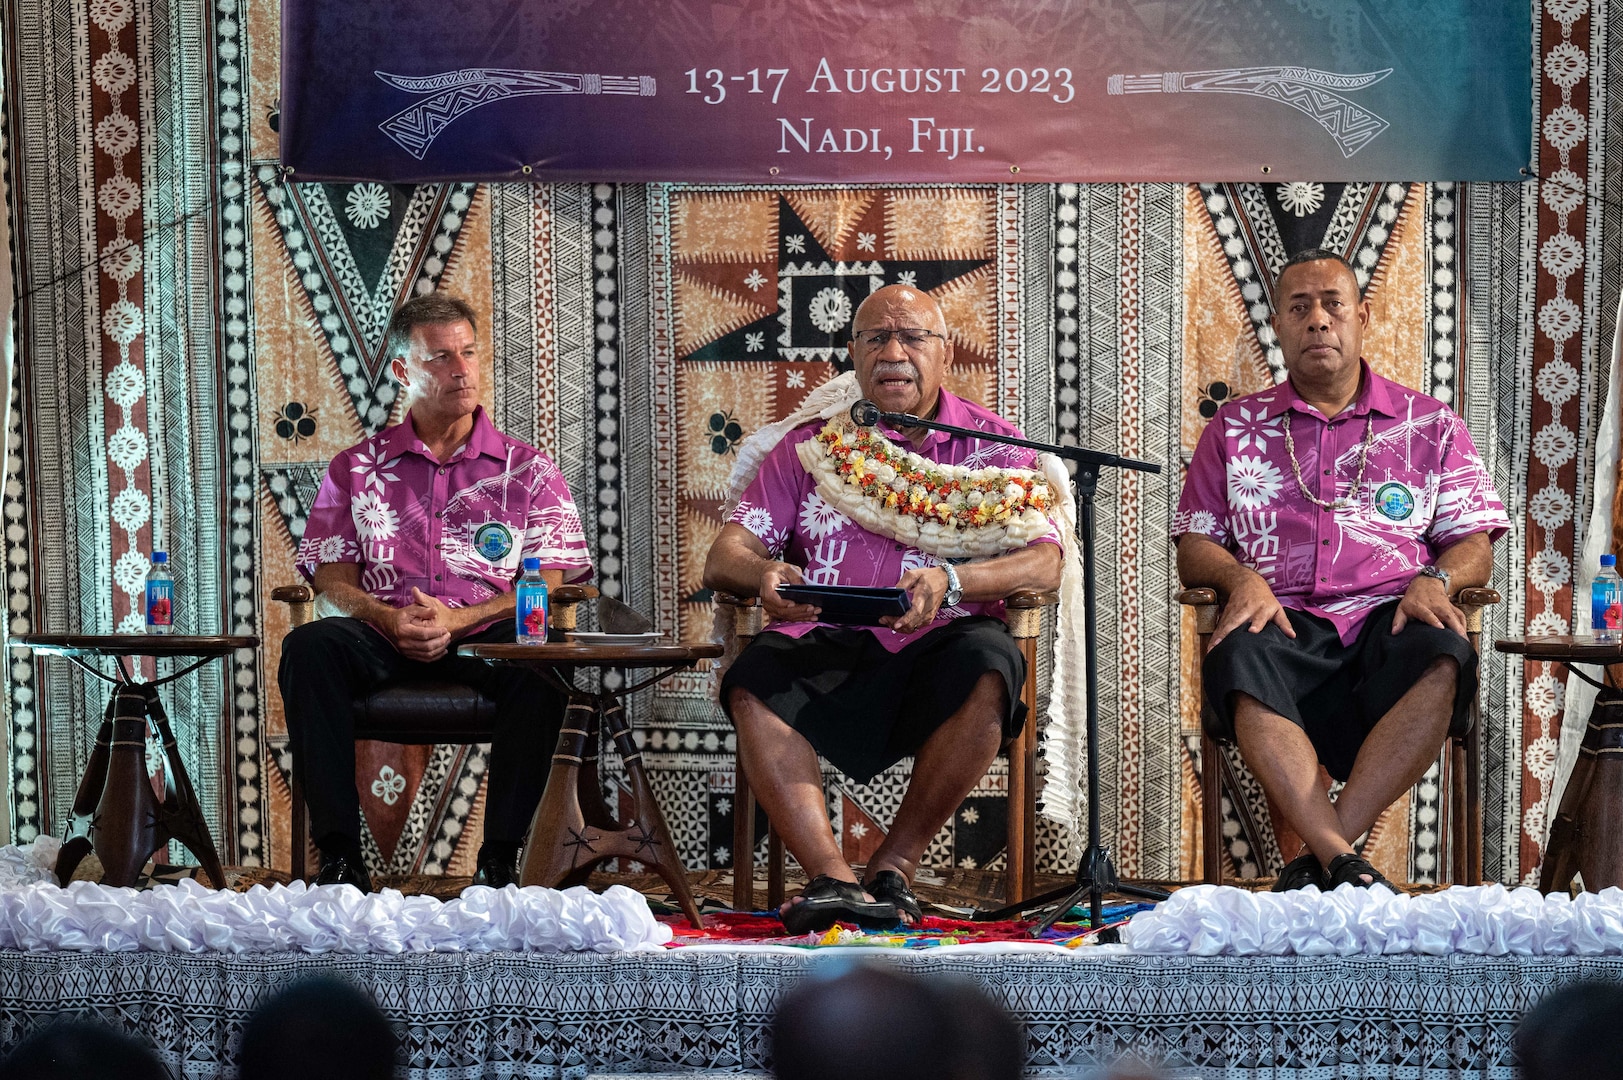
{"type": "Point", "coordinates": [326, 665]}
{"type": "Point", "coordinates": [529, 712]}
{"type": "Point", "coordinates": [329, 663]}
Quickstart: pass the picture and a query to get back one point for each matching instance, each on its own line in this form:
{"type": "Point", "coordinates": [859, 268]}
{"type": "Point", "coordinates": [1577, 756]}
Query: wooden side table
{"type": "Point", "coordinates": [573, 829]}
{"type": "Point", "coordinates": [116, 813]}
{"type": "Point", "coordinates": [1586, 835]}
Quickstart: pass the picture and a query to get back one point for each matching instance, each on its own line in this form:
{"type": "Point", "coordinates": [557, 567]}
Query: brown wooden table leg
{"type": "Point", "coordinates": [180, 815]}
{"type": "Point", "coordinates": [76, 843]}
{"type": "Point", "coordinates": [592, 803]}
{"type": "Point", "coordinates": [1599, 831]}
{"type": "Point", "coordinates": [124, 831]}
{"type": "Point", "coordinates": [1585, 826]}
{"type": "Point", "coordinates": [565, 842]}
{"type": "Point", "coordinates": [648, 831]}
{"type": "Point", "coordinates": [560, 840]}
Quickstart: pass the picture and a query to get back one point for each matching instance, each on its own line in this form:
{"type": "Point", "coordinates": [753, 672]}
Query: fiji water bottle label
{"type": "Point", "coordinates": [1606, 609]}
{"type": "Point", "coordinates": [532, 613]}
{"type": "Point", "coordinates": [160, 603]}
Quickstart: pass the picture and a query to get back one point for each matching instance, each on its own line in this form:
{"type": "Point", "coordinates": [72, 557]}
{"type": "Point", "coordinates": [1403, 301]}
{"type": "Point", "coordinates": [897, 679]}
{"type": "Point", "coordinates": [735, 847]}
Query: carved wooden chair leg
{"type": "Point", "coordinates": [743, 843]}
{"type": "Point", "coordinates": [1211, 810]}
{"type": "Point", "coordinates": [299, 831]}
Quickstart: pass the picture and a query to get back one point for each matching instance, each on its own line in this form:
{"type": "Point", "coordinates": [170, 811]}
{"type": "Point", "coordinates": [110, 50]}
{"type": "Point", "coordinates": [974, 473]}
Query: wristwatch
{"type": "Point", "coordinates": [1435, 572]}
{"type": "Point", "coordinates": [955, 591]}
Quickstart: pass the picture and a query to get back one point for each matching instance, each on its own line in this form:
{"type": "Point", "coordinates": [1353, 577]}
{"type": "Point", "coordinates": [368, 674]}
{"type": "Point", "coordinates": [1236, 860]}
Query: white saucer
{"type": "Point", "coordinates": [596, 637]}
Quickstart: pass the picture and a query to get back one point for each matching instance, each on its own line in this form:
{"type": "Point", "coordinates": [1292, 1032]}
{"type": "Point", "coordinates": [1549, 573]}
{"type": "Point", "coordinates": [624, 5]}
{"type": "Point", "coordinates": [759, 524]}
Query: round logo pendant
{"type": "Point", "coordinates": [1394, 501]}
{"type": "Point", "coordinates": [493, 540]}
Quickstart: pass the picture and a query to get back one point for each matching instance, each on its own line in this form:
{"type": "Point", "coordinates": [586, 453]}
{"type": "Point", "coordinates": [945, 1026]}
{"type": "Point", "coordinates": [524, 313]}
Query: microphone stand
{"type": "Point", "coordinates": [1095, 874]}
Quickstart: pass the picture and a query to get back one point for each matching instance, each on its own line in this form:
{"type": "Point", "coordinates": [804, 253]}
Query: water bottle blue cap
{"type": "Point", "coordinates": [160, 556]}
{"type": "Point", "coordinates": [1608, 560]}
{"type": "Point", "coordinates": [532, 564]}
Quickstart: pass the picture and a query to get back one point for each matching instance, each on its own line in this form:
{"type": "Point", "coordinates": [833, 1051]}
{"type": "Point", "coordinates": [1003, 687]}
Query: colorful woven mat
{"type": "Point", "coordinates": [763, 928]}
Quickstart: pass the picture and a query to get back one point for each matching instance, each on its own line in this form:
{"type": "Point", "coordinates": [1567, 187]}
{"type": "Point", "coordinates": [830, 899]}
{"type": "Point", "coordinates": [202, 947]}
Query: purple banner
{"type": "Point", "coordinates": [1038, 90]}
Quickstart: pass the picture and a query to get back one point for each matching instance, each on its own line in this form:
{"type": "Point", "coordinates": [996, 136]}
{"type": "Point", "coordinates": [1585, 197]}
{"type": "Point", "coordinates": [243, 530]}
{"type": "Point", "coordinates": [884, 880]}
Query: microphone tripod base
{"type": "Point", "coordinates": [1095, 879]}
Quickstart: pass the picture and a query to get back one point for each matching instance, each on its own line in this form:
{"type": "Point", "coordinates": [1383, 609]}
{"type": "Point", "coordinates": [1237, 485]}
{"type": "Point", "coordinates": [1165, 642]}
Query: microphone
{"type": "Point", "coordinates": [865, 413]}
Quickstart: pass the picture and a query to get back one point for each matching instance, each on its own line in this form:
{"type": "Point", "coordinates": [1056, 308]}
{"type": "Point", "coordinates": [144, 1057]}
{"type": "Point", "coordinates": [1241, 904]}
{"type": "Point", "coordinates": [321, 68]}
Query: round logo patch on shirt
{"type": "Point", "coordinates": [1395, 501]}
{"type": "Point", "coordinates": [493, 540]}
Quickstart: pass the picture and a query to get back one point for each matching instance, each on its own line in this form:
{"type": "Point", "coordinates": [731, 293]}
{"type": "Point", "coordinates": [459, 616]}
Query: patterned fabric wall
{"type": "Point", "coordinates": [201, 332]}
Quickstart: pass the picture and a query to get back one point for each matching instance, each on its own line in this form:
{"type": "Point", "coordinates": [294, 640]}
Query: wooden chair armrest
{"type": "Point", "coordinates": [300, 601]}
{"type": "Point", "coordinates": [563, 602]}
{"type": "Point", "coordinates": [1025, 611]}
{"type": "Point", "coordinates": [1204, 601]}
{"type": "Point", "coordinates": [573, 594]}
{"type": "Point", "coordinates": [1471, 601]}
{"type": "Point", "coordinates": [749, 617]}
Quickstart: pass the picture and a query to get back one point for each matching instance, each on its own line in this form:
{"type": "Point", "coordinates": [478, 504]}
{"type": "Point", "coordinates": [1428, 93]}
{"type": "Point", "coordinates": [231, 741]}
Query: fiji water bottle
{"type": "Point", "coordinates": [160, 597]}
{"type": "Point", "coordinates": [531, 595]}
{"type": "Point", "coordinates": [1606, 601]}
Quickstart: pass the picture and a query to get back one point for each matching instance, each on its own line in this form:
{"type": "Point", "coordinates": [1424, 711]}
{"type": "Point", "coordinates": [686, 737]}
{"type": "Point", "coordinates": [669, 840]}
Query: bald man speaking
{"type": "Point", "coordinates": [959, 523]}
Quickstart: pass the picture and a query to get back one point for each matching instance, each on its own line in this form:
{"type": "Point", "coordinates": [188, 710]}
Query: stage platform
{"type": "Point", "coordinates": [487, 983]}
{"type": "Point", "coordinates": [706, 1008]}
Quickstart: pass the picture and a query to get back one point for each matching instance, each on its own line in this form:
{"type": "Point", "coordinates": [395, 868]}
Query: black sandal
{"type": "Point", "coordinates": [825, 901]}
{"type": "Point", "coordinates": [1299, 873]}
{"type": "Point", "coordinates": [1351, 869]}
{"type": "Point", "coordinates": [889, 886]}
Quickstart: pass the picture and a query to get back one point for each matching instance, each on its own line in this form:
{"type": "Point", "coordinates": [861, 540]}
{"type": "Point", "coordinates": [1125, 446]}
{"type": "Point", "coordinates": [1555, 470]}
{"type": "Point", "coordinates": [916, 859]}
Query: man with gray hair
{"type": "Point", "coordinates": [413, 545]}
{"type": "Point", "coordinates": [957, 522]}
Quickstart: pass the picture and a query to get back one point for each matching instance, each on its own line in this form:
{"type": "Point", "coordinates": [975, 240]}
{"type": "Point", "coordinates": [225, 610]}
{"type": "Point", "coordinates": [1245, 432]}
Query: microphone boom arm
{"type": "Point", "coordinates": [1081, 455]}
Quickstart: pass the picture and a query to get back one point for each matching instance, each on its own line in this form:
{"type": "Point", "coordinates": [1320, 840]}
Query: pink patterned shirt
{"type": "Point", "coordinates": [1425, 488]}
{"type": "Point", "coordinates": [782, 508]}
{"type": "Point", "coordinates": [457, 531]}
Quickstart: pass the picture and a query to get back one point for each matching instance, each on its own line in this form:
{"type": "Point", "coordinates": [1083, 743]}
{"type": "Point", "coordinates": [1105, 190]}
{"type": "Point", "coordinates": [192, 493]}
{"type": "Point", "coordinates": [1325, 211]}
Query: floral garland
{"type": "Point", "coordinates": [946, 510]}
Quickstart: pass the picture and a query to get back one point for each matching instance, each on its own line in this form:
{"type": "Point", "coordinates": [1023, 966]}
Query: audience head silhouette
{"type": "Point", "coordinates": [874, 1022]}
{"type": "Point", "coordinates": [82, 1049]}
{"type": "Point", "coordinates": [318, 1028]}
{"type": "Point", "coordinates": [1568, 1034]}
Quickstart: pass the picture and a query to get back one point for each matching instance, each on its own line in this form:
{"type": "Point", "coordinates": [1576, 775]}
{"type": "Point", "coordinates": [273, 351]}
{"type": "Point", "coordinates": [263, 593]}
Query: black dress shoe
{"type": "Point", "coordinates": [497, 872]}
{"type": "Point", "coordinates": [340, 870]}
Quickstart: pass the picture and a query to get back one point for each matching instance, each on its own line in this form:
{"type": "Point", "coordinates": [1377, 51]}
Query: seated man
{"type": "Point", "coordinates": [941, 682]}
{"type": "Point", "coordinates": [1335, 515]}
{"type": "Point", "coordinates": [414, 542]}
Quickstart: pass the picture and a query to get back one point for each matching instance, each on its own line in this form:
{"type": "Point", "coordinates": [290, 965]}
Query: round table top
{"type": "Point", "coordinates": [1563, 648]}
{"type": "Point", "coordinates": [555, 654]}
{"type": "Point", "coordinates": [135, 644]}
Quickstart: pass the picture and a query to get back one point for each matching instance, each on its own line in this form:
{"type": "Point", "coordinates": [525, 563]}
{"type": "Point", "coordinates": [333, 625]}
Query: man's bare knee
{"type": "Point", "coordinates": [1441, 666]}
{"type": "Point", "coordinates": [753, 717]}
{"type": "Point", "coordinates": [740, 700]}
{"type": "Point", "coordinates": [1248, 712]}
{"type": "Point", "coordinates": [988, 701]}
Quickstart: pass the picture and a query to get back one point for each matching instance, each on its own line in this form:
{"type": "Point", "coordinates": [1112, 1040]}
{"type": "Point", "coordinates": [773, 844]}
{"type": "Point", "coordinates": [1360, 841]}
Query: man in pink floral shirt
{"type": "Point", "coordinates": [1336, 515]}
{"type": "Point", "coordinates": [942, 681]}
{"type": "Point", "coordinates": [413, 544]}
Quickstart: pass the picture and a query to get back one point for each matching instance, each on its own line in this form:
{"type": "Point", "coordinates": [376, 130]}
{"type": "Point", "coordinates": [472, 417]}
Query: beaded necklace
{"type": "Point", "coordinates": [1363, 460]}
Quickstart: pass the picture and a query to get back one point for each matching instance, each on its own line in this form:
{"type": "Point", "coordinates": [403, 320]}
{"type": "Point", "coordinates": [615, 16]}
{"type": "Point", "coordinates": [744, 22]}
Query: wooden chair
{"type": "Point", "coordinates": [1025, 618]}
{"type": "Point", "coordinates": [418, 713]}
{"type": "Point", "coordinates": [1464, 769]}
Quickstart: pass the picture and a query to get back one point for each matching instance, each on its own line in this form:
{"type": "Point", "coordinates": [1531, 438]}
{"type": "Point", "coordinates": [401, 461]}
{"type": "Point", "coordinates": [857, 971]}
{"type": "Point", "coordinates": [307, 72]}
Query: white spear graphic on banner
{"type": "Point", "coordinates": [1306, 90]}
{"type": "Point", "coordinates": [457, 93]}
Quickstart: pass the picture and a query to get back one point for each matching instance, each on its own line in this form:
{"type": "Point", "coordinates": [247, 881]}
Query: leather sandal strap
{"type": "Point", "coordinates": [1349, 867]}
